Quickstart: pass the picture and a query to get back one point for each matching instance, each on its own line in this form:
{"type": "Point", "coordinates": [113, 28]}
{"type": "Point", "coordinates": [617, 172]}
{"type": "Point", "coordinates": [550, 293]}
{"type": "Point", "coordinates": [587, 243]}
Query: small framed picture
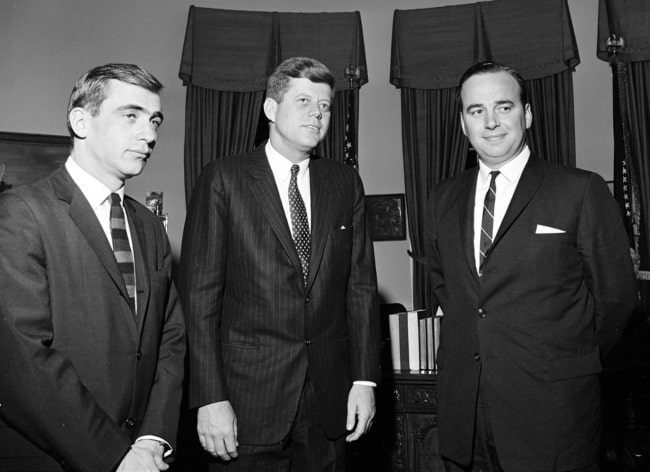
{"type": "Point", "coordinates": [25, 158]}
{"type": "Point", "coordinates": [386, 217]}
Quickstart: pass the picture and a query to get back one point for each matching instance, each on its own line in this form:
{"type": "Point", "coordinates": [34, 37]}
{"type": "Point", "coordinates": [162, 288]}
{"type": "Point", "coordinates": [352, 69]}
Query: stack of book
{"type": "Point", "coordinates": [414, 339]}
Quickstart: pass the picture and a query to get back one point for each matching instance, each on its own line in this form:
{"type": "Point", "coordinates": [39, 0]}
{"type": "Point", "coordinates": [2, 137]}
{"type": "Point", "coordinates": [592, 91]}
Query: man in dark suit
{"type": "Point", "coordinates": [530, 264]}
{"type": "Point", "coordinates": [92, 338]}
{"type": "Point", "coordinates": [278, 281]}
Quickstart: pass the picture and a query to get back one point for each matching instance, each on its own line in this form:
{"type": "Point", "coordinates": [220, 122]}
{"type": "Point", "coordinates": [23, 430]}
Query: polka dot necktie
{"type": "Point", "coordinates": [299, 223]}
{"type": "Point", "coordinates": [487, 222]}
{"type": "Point", "coordinates": [122, 248]}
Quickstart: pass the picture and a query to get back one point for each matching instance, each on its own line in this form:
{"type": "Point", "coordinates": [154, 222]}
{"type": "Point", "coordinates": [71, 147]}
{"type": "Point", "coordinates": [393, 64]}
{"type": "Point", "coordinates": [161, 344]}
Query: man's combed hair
{"type": "Point", "coordinates": [489, 67]}
{"type": "Point", "coordinates": [297, 68]}
{"type": "Point", "coordinates": [90, 90]}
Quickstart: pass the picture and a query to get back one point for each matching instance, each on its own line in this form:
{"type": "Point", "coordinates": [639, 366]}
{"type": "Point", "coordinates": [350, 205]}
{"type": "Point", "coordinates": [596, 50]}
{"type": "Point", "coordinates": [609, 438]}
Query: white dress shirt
{"type": "Point", "coordinates": [506, 184]}
{"type": "Point", "coordinates": [98, 195]}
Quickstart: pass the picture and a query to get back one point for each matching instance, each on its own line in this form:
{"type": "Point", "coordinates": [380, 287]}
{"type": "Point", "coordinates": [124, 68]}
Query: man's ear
{"type": "Point", "coordinates": [528, 114]}
{"type": "Point", "coordinates": [462, 125]}
{"type": "Point", "coordinates": [270, 109]}
{"type": "Point", "coordinates": [78, 122]}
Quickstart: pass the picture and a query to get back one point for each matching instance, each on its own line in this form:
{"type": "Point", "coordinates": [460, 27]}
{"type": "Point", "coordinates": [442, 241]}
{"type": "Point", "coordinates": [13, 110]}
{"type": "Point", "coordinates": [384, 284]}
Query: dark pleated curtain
{"type": "Point", "coordinates": [629, 20]}
{"type": "Point", "coordinates": [433, 148]}
{"type": "Point", "coordinates": [217, 124]}
{"type": "Point", "coordinates": [227, 57]}
{"type": "Point", "coordinates": [431, 49]}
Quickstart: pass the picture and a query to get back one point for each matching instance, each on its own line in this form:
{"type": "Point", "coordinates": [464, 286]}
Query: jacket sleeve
{"type": "Point", "coordinates": [201, 284]}
{"type": "Point", "coordinates": [603, 243]}
{"type": "Point", "coordinates": [361, 304]}
{"type": "Point", "coordinates": [163, 407]}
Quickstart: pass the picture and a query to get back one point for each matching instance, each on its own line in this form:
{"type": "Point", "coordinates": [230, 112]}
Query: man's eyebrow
{"type": "Point", "coordinates": [472, 106]}
{"type": "Point", "coordinates": [157, 114]}
{"type": "Point", "coordinates": [130, 106]}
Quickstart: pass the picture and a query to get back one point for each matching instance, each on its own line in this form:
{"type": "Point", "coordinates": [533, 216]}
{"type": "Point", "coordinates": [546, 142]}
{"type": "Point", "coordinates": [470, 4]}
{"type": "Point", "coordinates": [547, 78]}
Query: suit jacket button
{"type": "Point", "coordinates": [138, 356]}
{"type": "Point", "coordinates": [307, 341]}
{"type": "Point", "coordinates": [130, 423]}
{"type": "Point", "coordinates": [307, 299]}
{"type": "Point", "coordinates": [477, 356]}
{"type": "Point", "coordinates": [481, 313]}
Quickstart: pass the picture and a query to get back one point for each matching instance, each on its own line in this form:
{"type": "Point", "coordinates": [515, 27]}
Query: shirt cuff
{"type": "Point", "coordinates": [167, 448]}
{"type": "Point", "coordinates": [365, 382]}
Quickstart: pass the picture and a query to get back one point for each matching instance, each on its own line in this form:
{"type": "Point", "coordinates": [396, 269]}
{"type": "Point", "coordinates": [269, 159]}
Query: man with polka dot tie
{"type": "Point", "coordinates": [278, 281]}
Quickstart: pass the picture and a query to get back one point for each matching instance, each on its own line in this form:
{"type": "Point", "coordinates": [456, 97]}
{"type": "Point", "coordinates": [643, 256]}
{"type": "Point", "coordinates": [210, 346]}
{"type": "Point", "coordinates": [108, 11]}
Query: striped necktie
{"type": "Point", "coordinates": [299, 223]}
{"type": "Point", "coordinates": [487, 221]}
{"type": "Point", "coordinates": [122, 248]}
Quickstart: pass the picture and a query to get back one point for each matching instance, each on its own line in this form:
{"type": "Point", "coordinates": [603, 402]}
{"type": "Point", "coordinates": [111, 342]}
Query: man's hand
{"type": "Point", "coordinates": [143, 458]}
{"type": "Point", "coordinates": [361, 411]}
{"type": "Point", "coordinates": [217, 427]}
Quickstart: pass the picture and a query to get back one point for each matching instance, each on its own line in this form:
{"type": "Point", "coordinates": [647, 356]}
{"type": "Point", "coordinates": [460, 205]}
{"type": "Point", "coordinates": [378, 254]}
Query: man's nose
{"type": "Point", "coordinates": [314, 110]}
{"type": "Point", "coordinates": [491, 120]}
{"type": "Point", "coordinates": [148, 133]}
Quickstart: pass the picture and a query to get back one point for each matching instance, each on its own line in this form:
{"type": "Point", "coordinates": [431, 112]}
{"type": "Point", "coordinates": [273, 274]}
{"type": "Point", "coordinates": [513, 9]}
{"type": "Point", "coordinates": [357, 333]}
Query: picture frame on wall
{"type": "Point", "coordinates": [386, 216]}
{"type": "Point", "coordinates": [25, 158]}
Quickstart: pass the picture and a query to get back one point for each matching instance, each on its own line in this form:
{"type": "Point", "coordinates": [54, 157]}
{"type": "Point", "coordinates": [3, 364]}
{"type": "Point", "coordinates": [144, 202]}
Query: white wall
{"type": "Point", "coordinates": [48, 44]}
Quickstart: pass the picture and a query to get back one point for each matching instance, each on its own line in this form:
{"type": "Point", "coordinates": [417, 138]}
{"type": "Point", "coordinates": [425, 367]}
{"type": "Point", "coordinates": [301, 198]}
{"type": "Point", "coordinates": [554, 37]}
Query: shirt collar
{"type": "Point", "coordinates": [511, 170]}
{"type": "Point", "coordinates": [281, 166]}
{"type": "Point", "coordinates": [95, 192]}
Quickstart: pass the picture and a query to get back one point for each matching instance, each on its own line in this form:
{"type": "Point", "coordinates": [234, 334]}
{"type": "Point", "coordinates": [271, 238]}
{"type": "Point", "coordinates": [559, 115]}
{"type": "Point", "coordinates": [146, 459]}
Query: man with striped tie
{"type": "Point", "coordinates": [92, 338]}
{"type": "Point", "coordinates": [530, 264]}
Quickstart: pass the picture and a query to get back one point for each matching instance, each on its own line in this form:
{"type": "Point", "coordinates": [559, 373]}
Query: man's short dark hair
{"type": "Point", "coordinates": [489, 67]}
{"type": "Point", "coordinates": [90, 90]}
{"type": "Point", "coordinates": [297, 68]}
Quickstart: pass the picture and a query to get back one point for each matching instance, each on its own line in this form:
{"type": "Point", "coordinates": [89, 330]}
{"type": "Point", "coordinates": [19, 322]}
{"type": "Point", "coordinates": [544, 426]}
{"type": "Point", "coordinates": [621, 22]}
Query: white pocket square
{"type": "Point", "coordinates": [542, 229]}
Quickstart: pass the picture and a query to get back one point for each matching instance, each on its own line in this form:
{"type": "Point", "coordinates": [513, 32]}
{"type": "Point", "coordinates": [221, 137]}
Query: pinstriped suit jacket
{"type": "Point", "coordinates": [254, 328]}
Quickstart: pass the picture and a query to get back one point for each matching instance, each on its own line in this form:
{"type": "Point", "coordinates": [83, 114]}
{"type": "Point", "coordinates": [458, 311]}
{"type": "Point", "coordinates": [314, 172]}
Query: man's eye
{"type": "Point", "coordinates": [325, 106]}
{"type": "Point", "coordinates": [476, 112]}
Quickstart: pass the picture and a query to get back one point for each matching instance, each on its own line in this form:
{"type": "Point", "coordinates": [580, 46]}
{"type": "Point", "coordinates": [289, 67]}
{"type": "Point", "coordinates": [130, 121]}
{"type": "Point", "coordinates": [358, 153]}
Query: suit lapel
{"type": "Point", "coordinates": [529, 183]}
{"type": "Point", "coordinates": [139, 237]}
{"type": "Point", "coordinates": [321, 214]}
{"type": "Point", "coordinates": [266, 193]}
{"type": "Point", "coordinates": [86, 220]}
{"type": "Point", "coordinates": [466, 218]}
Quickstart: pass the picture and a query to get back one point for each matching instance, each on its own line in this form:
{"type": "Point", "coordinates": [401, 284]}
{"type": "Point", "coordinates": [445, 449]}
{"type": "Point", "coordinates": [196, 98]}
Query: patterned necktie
{"type": "Point", "coordinates": [122, 248]}
{"type": "Point", "coordinates": [299, 223]}
{"type": "Point", "coordinates": [487, 222]}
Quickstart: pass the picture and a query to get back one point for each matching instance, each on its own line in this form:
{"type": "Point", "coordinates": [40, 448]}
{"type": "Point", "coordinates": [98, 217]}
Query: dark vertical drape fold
{"type": "Point", "coordinates": [433, 148]}
{"type": "Point", "coordinates": [431, 49]}
{"type": "Point", "coordinates": [227, 58]}
{"type": "Point", "coordinates": [217, 124]}
{"type": "Point", "coordinates": [552, 134]}
{"type": "Point", "coordinates": [628, 20]}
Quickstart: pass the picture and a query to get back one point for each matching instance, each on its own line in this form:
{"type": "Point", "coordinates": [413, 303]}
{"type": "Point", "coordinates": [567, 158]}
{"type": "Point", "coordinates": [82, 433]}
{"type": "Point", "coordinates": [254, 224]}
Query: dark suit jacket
{"type": "Point", "coordinates": [253, 328]}
{"type": "Point", "coordinates": [537, 323]}
{"type": "Point", "coordinates": [81, 377]}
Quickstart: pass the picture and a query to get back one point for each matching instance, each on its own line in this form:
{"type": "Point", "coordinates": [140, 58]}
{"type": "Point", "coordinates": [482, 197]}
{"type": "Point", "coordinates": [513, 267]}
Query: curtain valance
{"type": "Point", "coordinates": [630, 20]}
{"type": "Point", "coordinates": [432, 47]}
{"type": "Point", "coordinates": [232, 50]}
